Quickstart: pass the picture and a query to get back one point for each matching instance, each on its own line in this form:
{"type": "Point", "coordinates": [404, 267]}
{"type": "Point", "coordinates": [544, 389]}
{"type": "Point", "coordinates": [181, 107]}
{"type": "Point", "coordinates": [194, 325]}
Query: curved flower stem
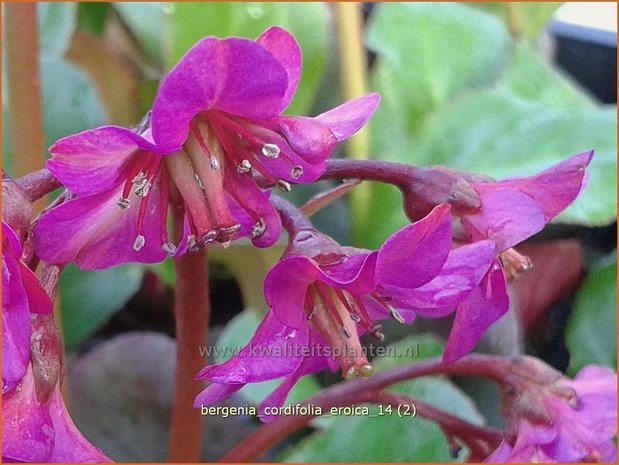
{"type": "Point", "coordinates": [26, 115]}
{"type": "Point", "coordinates": [38, 184]}
{"type": "Point", "coordinates": [479, 439]}
{"type": "Point", "coordinates": [292, 217]}
{"type": "Point", "coordinates": [192, 312]}
{"type": "Point", "coordinates": [422, 188]}
{"type": "Point", "coordinates": [363, 390]}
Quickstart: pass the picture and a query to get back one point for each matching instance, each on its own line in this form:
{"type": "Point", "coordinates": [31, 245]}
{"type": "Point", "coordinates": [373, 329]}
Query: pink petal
{"type": "Point", "coordinates": [285, 48]}
{"type": "Point", "coordinates": [351, 116]}
{"type": "Point", "coordinates": [273, 352]}
{"type": "Point", "coordinates": [462, 272]}
{"type": "Point", "coordinates": [236, 76]}
{"type": "Point", "coordinates": [27, 428]}
{"type": "Point", "coordinates": [38, 300]}
{"type": "Point", "coordinates": [415, 254]}
{"type": "Point", "coordinates": [70, 446]}
{"type": "Point", "coordinates": [95, 233]}
{"type": "Point", "coordinates": [507, 216]}
{"type": "Point", "coordinates": [557, 187]}
{"type": "Point", "coordinates": [485, 305]}
{"type": "Point", "coordinates": [96, 160]}
{"type": "Point", "coordinates": [216, 392]}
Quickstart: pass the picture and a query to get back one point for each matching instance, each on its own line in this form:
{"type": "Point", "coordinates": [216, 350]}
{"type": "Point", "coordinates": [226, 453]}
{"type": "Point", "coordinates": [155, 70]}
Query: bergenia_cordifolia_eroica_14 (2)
{"type": "Point", "coordinates": [215, 122]}
{"type": "Point", "coordinates": [36, 426]}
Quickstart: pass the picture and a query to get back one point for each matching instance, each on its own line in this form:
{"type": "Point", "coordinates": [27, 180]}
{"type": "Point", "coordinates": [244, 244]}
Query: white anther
{"type": "Point", "coordinates": [169, 248]}
{"type": "Point", "coordinates": [296, 172]}
{"type": "Point", "coordinates": [258, 229]}
{"type": "Point", "coordinates": [396, 315]}
{"type": "Point", "coordinates": [123, 203]}
{"type": "Point", "coordinates": [139, 243]}
{"type": "Point", "coordinates": [244, 167]}
{"type": "Point", "coordinates": [283, 185]}
{"type": "Point", "coordinates": [214, 162]}
{"type": "Point", "coordinates": [271, 150]}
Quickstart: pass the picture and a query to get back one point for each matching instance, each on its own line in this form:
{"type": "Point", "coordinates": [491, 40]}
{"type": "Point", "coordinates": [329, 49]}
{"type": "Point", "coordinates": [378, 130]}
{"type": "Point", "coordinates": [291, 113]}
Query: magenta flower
{"type": "Point", "coordinates": [22, 295]}
{"type": "Point", "coordinates": [577, 423]}
{"type": "Point", "coordinates": [511, 211]}
{"type": "Point", "coordinates": [215, 122]}
{"type": "Point", "coordinates": [323, 297]}
{"type": "Point", "coordinates": [41, 431]}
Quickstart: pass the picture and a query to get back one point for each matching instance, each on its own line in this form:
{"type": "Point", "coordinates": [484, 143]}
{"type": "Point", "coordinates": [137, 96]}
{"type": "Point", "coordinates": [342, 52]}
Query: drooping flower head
{"type": "Point", "coordinates": [216, 121]}
{"type": "Point", "coordinates": [511, 211]}
{"type": "Point", "coordinates": [22, 295]}
{"type": "Point", "coordinates": [565, 421]}
{"type": "Point", "coordinates": [322, 294]}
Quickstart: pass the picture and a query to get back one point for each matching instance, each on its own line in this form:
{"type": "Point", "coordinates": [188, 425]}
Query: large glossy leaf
{"type": "Point", "coordinates": [591, 332]}
{"type": "Point", "coordinates": [235, 336]}
{"type": "Point", "coordinates": [189, 22]}
{"type": "Point", "coordinates": [502, 110]}
{"type": "Point", "coordinates": [57, 23]}
{"type": "Point", "coordinates": [89, 299]}
{"type": "Point", "coordinates": [389, 437]}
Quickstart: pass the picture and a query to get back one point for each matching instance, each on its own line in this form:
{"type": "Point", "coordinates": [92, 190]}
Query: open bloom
{"type": "Point", "coordinates": [216, 121]}
{"type": "Point", "coordinates": [575, 421]}
{"type": "Point", "coordinates": [22, 295]}
{"type": "Point", "coordinates": [511, 211]}
{"type": "Point", "coordinates": [323, 297]}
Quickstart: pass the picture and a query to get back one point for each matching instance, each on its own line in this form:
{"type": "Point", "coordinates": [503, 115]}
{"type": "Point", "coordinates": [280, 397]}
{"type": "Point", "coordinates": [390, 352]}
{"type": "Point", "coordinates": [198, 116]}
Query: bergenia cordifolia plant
{"type": "Point", "coordinates": [216, 122]}
{"type": "Point", "coordinates": [198, 172]}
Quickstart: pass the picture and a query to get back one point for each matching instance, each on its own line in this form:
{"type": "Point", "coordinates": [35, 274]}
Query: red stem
{"type": "Point", "coordinates": [361, 390]}
{"type": "Point", "coordinates": [26, 115]}
{"type": "Point", "coordinates": [38, 184]}
{"type": "Point", "coordinates": [192, 312]}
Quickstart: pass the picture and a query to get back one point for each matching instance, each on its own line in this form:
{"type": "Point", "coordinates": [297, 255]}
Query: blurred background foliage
{"type": "Point", "coordinates": [472, 87]}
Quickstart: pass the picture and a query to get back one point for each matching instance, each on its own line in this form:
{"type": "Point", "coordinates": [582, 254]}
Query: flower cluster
{"type": "Point", "coordinates": [216, 123]}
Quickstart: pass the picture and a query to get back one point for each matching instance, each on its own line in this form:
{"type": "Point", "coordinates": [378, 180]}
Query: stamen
{"type": "Point", "coordinates": [141, 184]}
{"type": "Point", "coordinates": [226, 245]}
{"type": "Point", "coordinates": [228, 233]}
{"type": "Point", "coordinates": [366, 371]}
{"type": "Point", "coordinates": [258, 229]}
{"type": "Point", "coordinates": [283, 186]}
{"type": "Point", "coordinates": [244, 166]}
{"type": "Point", "coordinates": [123, 203]}
{"type": "Point", "coordinates": [396, 315]}
{"type": "Point", "coordinates": [139, 243]}
{"type": "Point", "coordinates": [192, 244]}
{"type": "Point", "coordinates": [351, 373]}
{"type": "Point", "coordinates": [208, 238]}
{"type": "Point", "coordinates": [377, 333]}
{"type": "Point", "coordinates": [214, 163]}
{"type": "Point", "coordinates": [296, 172]}
{"type": "Point", "coordinates": [271, 150]}
{"type": "Point", "coordinates": [169, 248]}
{"type": "Point", "coordinates": [355, 317]}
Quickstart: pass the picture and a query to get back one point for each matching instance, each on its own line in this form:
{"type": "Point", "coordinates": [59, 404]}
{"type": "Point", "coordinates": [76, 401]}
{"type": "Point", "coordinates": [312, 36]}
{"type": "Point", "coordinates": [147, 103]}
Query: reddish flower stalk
{"type": "Point", "coordinates": [364, 390]}
{"type": "Point", "coordinates": [192, 312]}
{"type": "Point", "coordinates": [38, 184]}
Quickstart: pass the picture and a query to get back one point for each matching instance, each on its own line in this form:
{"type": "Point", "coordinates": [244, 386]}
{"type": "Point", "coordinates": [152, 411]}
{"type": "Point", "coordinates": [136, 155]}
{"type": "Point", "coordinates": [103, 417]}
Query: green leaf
{"type": "Point", "coordinates": [89, 299]}
{"type": "Point", "coordinates": [495, 133]}
{"type": "Point", "coordinates": [70, 102]}
{"type": "Point", "coordinates": [531, 78]}
{"type": "Point", "coordinates": [57, 23]}
{"type": "Point", "coordinates": [361, 438]}
{"type": "Point", "coordinates": [92, 16]}
{"type": "Point", "coordinates": [189, 22]}
{"type": "Point", "coordinates": [234, 337]}
{"type": "Point", "coordinates": [591, 330]}
{"type": "Point", "coordinates": [145, 19]}
{"type": "Point", "coordinates": [428, 54]}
